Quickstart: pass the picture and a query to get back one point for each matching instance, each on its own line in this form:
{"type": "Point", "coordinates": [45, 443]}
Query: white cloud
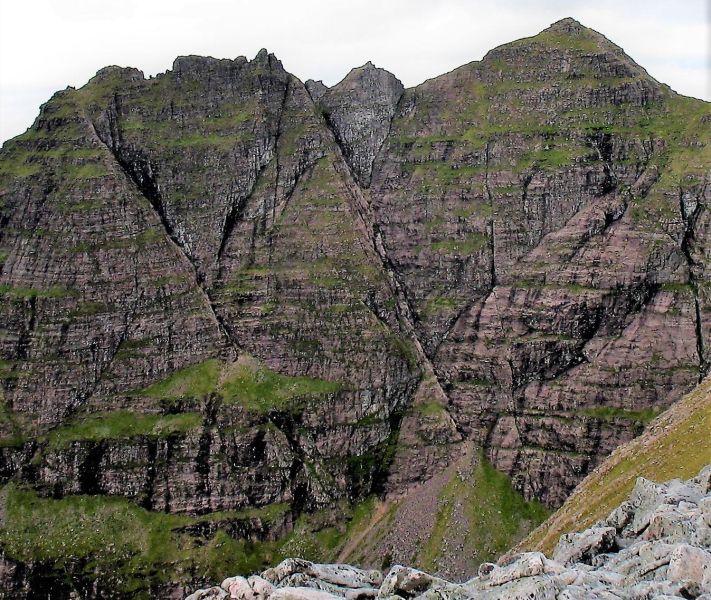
{"type": "Point", "coordinates": [46, 45]}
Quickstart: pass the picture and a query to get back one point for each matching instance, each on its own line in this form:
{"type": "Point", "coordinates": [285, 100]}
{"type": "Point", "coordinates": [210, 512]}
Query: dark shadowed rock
{"type": "Point", "coordinates": [359, 109]}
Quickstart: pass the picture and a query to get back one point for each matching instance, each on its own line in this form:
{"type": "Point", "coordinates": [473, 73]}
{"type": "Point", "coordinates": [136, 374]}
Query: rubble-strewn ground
{"type": "Point", "coordinates": [657, 544]}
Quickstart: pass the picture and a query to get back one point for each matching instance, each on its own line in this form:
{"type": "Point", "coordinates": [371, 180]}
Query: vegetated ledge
{"type": "Point", "coordinates": [122, 425]}
{"type": "Point", "coordinates": [245, 382]}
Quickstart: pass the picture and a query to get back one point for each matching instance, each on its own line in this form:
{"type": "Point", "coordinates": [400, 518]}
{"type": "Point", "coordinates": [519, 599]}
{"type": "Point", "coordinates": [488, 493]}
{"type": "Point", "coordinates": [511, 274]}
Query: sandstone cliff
{"type": "Point", "coordinates": [677, 444]}
{"type": "Point", "coordinates": [234, 306]}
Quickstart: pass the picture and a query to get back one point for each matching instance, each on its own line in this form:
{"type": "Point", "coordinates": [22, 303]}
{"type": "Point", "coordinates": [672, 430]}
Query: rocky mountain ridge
{"type": "Point", "coordinates": [244, 301]}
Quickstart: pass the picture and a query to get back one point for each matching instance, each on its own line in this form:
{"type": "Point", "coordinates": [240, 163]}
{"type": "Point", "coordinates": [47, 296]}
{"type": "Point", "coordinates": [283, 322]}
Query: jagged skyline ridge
{"type": "Point", "coordinates": [71, 42]}
{"type": "Point", "coordinates": [525, 260]}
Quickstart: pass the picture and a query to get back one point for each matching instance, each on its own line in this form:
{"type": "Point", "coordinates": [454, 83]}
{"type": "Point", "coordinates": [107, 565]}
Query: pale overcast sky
{"type": "Point", "coordinates": [46, 45]}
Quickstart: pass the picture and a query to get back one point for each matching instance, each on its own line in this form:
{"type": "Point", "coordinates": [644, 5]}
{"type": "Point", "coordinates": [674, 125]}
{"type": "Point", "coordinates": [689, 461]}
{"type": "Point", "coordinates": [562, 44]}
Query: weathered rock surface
{"type": "Point", "coordinates": [677, 443]}
{"type": "Point", "coordinates": [360, 109]}
{"type": "Point", "coordinates": [168, 225]}
{"type": "Point", "coordinates": [624, 556]}
{"type": "Point", "coordinates": [544, 252]}
{"type": "Point", "coordinates": [224, 289]}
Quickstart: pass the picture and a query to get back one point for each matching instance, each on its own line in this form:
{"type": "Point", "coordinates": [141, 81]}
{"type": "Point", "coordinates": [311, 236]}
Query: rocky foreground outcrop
{"type": "Point", "coordinates": [657, 544]}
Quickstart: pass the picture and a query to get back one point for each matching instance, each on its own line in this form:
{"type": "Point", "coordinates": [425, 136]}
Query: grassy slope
{"type": "Point", "coordinates": [676, 445]}
{"type": "Point", "coordinates": [475, 517]}
{"type": "Point", "coordinates": [245, 382]}
{"type": "Point", "coordinates": [495, 516]}
{"type": "Point", "coordinates": [82, 538]}
{"type": "Point", "coordinates": [132, 552]}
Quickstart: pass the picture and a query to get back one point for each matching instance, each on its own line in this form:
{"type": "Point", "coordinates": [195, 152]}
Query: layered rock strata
{"type": "Point", "coordinates": [222, 289]}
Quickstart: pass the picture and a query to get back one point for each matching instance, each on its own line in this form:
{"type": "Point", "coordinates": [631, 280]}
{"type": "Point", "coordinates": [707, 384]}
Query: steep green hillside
{"type": "Point", "coordinates": [675, 446]}
{"type": "Point", "coordinates": [449, 525]}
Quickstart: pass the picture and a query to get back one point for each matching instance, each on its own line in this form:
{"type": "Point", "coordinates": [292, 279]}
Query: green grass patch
{"type": "Point", "coordinates": [444, 174]}
{"type": "Point", "coordinates": [246, 281]}
{"type": "Point", "coordinates": [70, 207]}
{"type": "Point", "coordinates": [470, 243]}
{"type": "Point", "coordinates": [324, 544]}
{"type": "Point", "coordinates": [550, 158]}
{"type": "Point", "coordinates": [231, 116]}
{"type": "Point", "coordinates": [340, 308]}
{"type": "Point", "coordinates": [195, 381]}
{"type": "Point", "coordinates": [13, 436]}
{"type": "Point", "coordinates": [289, 140]}
{"type": "Point", "coordinates": [6, 367]}
{"type": "Point", "coordinates": [406, 348]}
{"type": "Point", "coordinates": [246, 382]}
{"type": "Point", "coordinates": [89, 170]}
{"type": "Point", "coordinates": [607, 413]}
{"type": "Point", "coordinates": [497, 515]}
{"type": "Point", "coordinates": [18, 169]}
{"type": "Point", "coordinates": [124, 549]}
{"type": "Point", "coordinates": [27, 292]}
{"type": "Point", "coordinates": [582, 42]}
{"type": "Point", "coordinates": [439, 305]}
{"type": "Point", "coordinates": [14, 440]}
{"type": "Point", "coordinates": [464, 212]}
{"type": "Point", "coordinates": [429, 409]}
{"type": "Point", "coordinates": [90, 309]}
{"type": "Point", "coordinates": [123, 425]}
{"type": "Point", "coordinates": [477, 382]}
{"type": "Point", "coordinates": [260, 389]}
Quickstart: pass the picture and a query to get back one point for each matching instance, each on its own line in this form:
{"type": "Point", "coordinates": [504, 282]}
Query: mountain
{"type": "Point", "coordinates": [236, 309]}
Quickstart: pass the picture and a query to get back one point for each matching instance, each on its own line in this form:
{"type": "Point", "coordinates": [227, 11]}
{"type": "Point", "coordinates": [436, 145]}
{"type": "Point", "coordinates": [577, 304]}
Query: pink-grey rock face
{"type": "Point", "coordinates": [549, 258]}
{"type": "Point", "coordinates": [156, 224]}
{"type": "Point", "coordinates": [521, 243]}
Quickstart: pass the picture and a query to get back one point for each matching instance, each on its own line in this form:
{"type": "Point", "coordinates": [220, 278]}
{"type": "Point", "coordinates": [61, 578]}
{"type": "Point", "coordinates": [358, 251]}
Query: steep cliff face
{"type": "Point", "coordinates": [224, 289]}
{"type": "Point", "coordinates": [359, 109]}
{"type": "Point", "coordinates": [540, 207]}
{"type": "Point", "coordinates": [676, 445]}
{"type": "Point", "coordinates": [229, 168]}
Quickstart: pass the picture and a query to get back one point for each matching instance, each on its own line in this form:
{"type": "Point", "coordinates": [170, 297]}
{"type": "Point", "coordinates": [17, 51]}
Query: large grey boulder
{"type": "Point", "coordinates": [583, 547]}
